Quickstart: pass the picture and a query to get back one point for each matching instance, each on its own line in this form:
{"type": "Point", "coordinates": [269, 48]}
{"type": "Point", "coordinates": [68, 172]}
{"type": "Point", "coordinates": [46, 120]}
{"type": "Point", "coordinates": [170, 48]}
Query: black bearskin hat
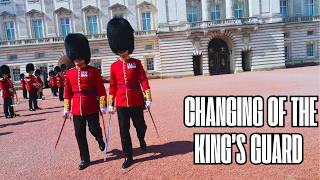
{"type": "Point", "coordinates": [57, 69]}
{"type": "Point", "coordinates": [5, 69]}
{"type": "Point", "coordinates": [21, 76]}
{"type": "Point", "coordinates": [29, 67]}
{"type": "Point", "coordinates": [63, 67]}
{"type": "Point", "coordinates": [51, 73]}
{"type": "Point", "coordinates": [77, 47]}
{"type": "Point", "coordinates": [37, 72]}
{"type": "Point", "coordinates": [120, 35]}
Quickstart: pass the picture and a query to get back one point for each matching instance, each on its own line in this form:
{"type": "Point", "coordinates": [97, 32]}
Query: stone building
{"type": "Point", "coordinates": [173, 37]}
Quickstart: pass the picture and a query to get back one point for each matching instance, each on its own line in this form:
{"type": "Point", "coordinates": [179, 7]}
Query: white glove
{"type": "Point", "coordinates": [110, 109]}
{"type": "Point", "coordinates": [103, 110]}
{"type": "Point", "coordinates": [66, 113]}
{"type": "Point", "coordinates": [148, 103]}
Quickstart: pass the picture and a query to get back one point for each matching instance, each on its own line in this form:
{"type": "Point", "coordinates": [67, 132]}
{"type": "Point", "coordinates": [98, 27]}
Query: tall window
{"type": "Point", "coordinates": [65, 26]}
{"type": "Point", "coordinates": [215, 12]}
{"type": "Point", "coordinates": [310, 50]}
{"type": "Point", "coordinates": [238, 9]}
{"type": "Point", "coordinates": [10, 31]}
{"type": "Point", "coordinates": [309, 7]}
{"type": "Point", "coordinates": [146, 21]}
{"type": "Point", "coordinates": [37, 28]}
{"type": "Point", "coordinates": [150, 64]}
{"type": "Point", "coordinates": [16, 74]}
{"type": "Point", "coordinates": [192, 14]}
{"type": "Point", "coordinates": [92, 25]}
{"type": "Point", "coordinates": [284, 8]}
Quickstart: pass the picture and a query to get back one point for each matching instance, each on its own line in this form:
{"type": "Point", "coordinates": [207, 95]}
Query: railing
{"type": "Point", "coordinates": [61, 39]}
{"type": "Point", "coordinates": [248, 21]}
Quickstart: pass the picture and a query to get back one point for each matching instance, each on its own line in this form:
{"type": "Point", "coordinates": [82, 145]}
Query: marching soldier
{"type": "Point", "coordinates": [128, 83]}
{"type": "Point", "coordinates": [53, 83]}
{"type": "Point", "coordinates": [7, 92]}
{"type": "Point", "coordinates": [32, 87]}
{"type": "Point", "coordinates": [37, 73]}
{"type": "Point", "coordinates": [83, 85]}
{"type": "Point", "coordinates": [23, 86]}
{"type": "Point", "coordinates": [60, 81]}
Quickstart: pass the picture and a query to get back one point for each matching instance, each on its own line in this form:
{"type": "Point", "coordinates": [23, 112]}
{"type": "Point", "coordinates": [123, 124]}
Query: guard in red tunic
{"type": "Point", "coordinates": [32, 87]}
{"type": "Point", "coordinates": [129, 88]}
{"type": "Point", "coordinates": [37, 73]}
{"type": "Point", "coordinates": [60, 81]}
{"type": "Point", "coordinates": [53, 83]}
{"type": "Point", "coordinates": [7, 92]}
{"type": "Point", "coordinates": [84, 87]}
{"type": "Point", "coordinates": [23, 86]}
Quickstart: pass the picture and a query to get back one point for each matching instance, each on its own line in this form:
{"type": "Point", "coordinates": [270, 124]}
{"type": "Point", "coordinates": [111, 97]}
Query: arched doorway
{"type": "Point", "coordinates": [219, 57]}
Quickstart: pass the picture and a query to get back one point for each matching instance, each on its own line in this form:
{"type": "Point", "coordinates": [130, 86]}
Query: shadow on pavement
{"type": "Point", "coordinates": [5, 133]}
{"type": "Point", "coordinates": [159, 151]}
{"type": "Point", "coordinates": [20, 123]}
{"type": "Point", "coordinates": [46, 112]}
{"type": "Point", "coordinates": [41, 109]}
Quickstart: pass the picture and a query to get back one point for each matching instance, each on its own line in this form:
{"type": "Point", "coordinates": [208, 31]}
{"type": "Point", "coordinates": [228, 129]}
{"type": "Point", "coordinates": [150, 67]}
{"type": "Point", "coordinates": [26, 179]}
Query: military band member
{"type": "Point", "coordinates": [84, 95]}
{"type": "Point", "coordinates": [23, 86]}
{"type": "Point", "coordinates": [60, 81]}
{"type": "Point", "coordinates": [7, 92]}
{"type": "Point", "coordinates": [53, 83]}
{"type": "Point", "coordinates": [32, 87]}
{"type": "Point", "coordinates": [128, 85]}
{"type": "Point", "coordinates": [37, 73]}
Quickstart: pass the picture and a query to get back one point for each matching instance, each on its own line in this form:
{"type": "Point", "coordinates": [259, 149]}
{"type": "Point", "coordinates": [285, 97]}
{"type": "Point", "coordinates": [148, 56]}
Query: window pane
{"type": "Point", "coordinates": [309, 8]}
{"type": "Point", "coordinates": [238, 10]}
{"type": "Point", "coordinates": [16, 74]}
{"type": "Point", "coordinates": [92, 25]}
{"type": "Point", "coordinates": [10, 31]}
{"type": "Point", "coordinates": [192, 14]}
{"type": "Point", "coordinates": [283, 8]}
{"type": "Point", "coordinates": [37, 28]}
{"type": "Point", "coordinates": [215, 12]}
{"type": "Point", "coordinates": [65, 26]}
{"type": "Point", "coordinates": [310, 49]}
{"type": "Point", "coordinates": [146, 21]}
{"type": "Point", "coordinates": [150, 64]}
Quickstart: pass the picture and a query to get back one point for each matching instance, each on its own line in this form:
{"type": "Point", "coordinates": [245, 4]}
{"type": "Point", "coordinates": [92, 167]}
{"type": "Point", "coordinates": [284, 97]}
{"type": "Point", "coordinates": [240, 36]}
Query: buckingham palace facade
{"type": "Point", "coordinates": [172, 37]}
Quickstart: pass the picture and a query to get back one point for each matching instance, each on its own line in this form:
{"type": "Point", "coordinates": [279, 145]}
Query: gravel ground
{"type": "Point", "coordinates": [26, 142]}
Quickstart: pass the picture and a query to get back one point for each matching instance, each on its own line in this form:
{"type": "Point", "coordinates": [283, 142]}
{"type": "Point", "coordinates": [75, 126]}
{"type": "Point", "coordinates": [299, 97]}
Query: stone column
{"type": "Point", "coordinates": [205, 10]}
{"type": "Point", "coordinates": [229, 5]}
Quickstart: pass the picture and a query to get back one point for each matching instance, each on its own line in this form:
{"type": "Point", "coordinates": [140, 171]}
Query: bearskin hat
{"type": "Point", "coordinates": [63, 67]}
{"type": "Point", "coordinates": [120, 35]}
{"type": "Point", "coordinates": [57, 69]}
{"type": "Point", "coordinates": [5, 69]}
{"type": "Point", "coordinates": [37, 72]}
{"type": "Point", "coordinates": [29, 67]}
{"type": "Point", "coordinates": [51, 73]}
{"type": "Point", "coordinates": [21, 76]}
{"type": "Point", "coordinates": [77, 47]}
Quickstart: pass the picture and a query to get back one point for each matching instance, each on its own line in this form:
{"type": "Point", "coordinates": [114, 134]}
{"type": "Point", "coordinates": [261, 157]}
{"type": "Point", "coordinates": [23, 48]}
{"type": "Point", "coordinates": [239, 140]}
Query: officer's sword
{"type": "Point", "coordinates": [107, 136]}
{"type": "Point", "coordinates": [55, 146]}
{"type": "Point", "coordinates": [154, 124]}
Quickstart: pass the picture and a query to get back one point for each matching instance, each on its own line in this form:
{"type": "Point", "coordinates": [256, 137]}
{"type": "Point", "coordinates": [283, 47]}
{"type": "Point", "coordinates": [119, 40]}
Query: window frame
{"type": "Point", "coordinates": [13, 28]}
{"type": "Point", "coordinates": [284, 7]}
{"type": "Point", "coordinates": [238, 9]}
{"type": "Point", "coordinates": [65, 25]}
{"type": "Point", "coordinates": [96, 27]}
{"type": "Point", "coordinates": [313, 50]}
{"type": "Point", "coordinates": [36, 29]}
{"type": "Point", "coordinates": [145, 20]}
{"type": "Point", "coordinates": [214, 10]}
{"type": "Point", "coordinates": [309, 4]}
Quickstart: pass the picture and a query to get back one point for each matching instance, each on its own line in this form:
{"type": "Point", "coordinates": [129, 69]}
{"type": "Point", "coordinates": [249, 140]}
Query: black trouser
{"type": "Point", "coordinates": [61, 91]}
{"type": "Point", "coordinates": [54, 90]}
{"type": "Point", "coordinates": [24, 91]}
{"type": "Point", "coordinates": [124, 115]}
{"type": "Point", "coordinates": [33, 104]}
{"type": "Point", "coordinates": [80, 132]}
{"type": "Point", "coordinates": [7, 107]}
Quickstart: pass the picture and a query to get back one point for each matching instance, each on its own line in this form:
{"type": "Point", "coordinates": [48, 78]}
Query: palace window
{"type": "Point", "coordinates": [192, 14]}
{"type": "Point", "coordinates": [310, 50]}
{"type": "Point", "coordinates": [97, 64]}
{"type": "Point", "coordinates": [16, 74]}
{"type": "Point", "coordinates": [284, 8]}
{"type": "Point", "coordinates": [13, 57]}
{"type": "Point", "coordinates": [238, 9]}
{"type": "Point", "coordinates": [310, 33]}
{"type": "Point", "coordinates": [92, 25]}
{"type": "Point", "coordinates": [309, 7]}
{"type": "Point", "coordinates": [215, 12]}
{"type": "Point", "coordinates": [37, 28]}
{"type": "Point", "coordinates": [10, 30]}
{"type": "Point", "coordinates": [146, 21]}
{"type": "Point", "coordinates": [150, 64]}
{"type": "Point", "coordinates": [65, 26]}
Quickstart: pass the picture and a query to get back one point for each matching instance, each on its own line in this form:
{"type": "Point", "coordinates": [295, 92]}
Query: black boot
{"type": "Point", "coordinates": [128, 161]}
{"type": "Point", "coordinates": [102, 145]}
{"type": "Point", "coordinates": [83, 165]}
{"type": "Point", "coordinates": [143, 145]}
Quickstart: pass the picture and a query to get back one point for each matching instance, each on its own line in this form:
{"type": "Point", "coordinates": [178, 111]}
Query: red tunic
{"type": "Point", "coordinates": [23, 84]}
{"type": "Point", "coordinates": [31, 80]}
{"type": "Point", "coordinates": [84, 87]}
{"type": "Point", "coordinates": [53, 81]}
{"type": "Point", "coordinates": [127, 81]}
{"type": "Point", "coordinates": [60, 80]}
{"type": "Point", "coordinates": [7, 88]}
